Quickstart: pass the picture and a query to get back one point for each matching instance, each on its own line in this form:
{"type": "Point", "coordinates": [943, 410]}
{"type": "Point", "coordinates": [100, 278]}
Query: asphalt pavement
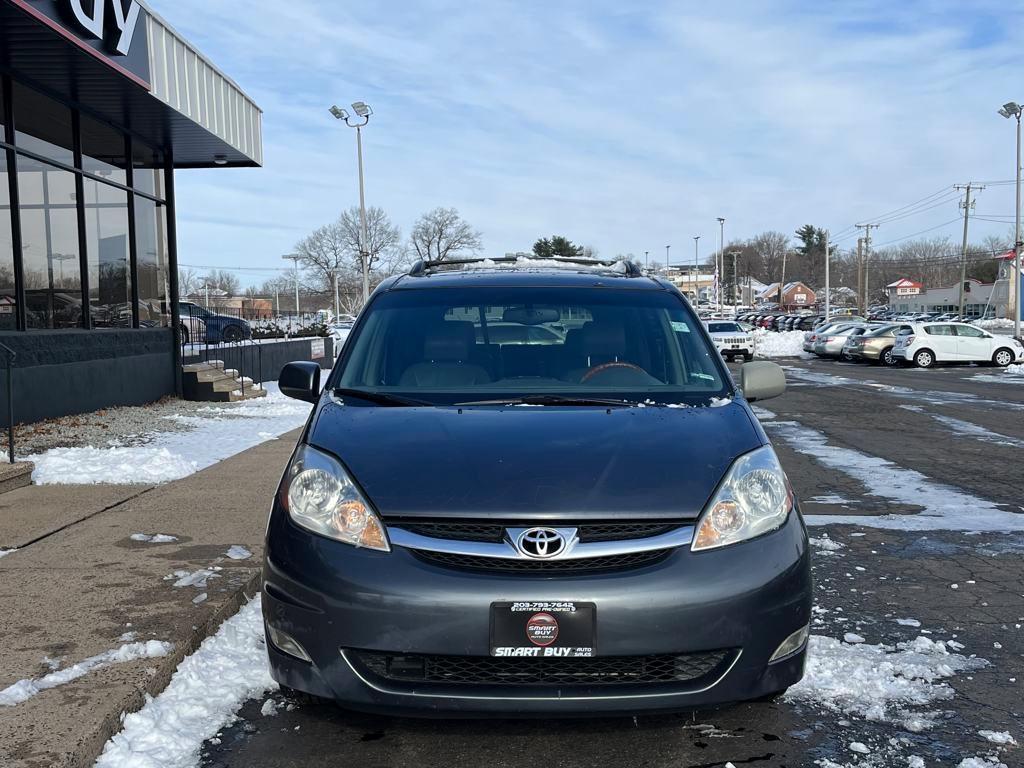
{"type": "Point", "coordinates": [959, 428]}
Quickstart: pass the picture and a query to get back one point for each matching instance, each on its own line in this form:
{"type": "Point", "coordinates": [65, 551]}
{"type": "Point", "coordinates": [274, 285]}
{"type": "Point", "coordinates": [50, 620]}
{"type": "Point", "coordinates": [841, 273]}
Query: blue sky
{"type": "Point", "coordinates": [623, 125]}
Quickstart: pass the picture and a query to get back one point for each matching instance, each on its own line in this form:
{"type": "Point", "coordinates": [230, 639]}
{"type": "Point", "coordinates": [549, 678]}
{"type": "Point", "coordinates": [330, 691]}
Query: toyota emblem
{"type": "Point", "coordinates": [541, 543]}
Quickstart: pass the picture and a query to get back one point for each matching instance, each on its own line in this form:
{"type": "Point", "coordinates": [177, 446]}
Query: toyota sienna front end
{"type": "Point", "coordinates": [580, 516]}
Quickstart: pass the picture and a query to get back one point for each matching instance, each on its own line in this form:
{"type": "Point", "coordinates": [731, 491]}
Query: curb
{"type": "Point", "coordinates": [90, 748]}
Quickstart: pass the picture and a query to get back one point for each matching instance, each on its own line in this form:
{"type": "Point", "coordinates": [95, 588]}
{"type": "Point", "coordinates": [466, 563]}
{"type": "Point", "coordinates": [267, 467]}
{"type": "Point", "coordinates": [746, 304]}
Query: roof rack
{"type": "Point", "coordinates": [423, 267]}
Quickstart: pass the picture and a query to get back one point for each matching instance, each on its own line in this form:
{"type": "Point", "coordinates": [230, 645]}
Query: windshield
{"type": "Point", "coordinates": [456, 345]}
{"type": "Point", "coordinates": [724, 328]}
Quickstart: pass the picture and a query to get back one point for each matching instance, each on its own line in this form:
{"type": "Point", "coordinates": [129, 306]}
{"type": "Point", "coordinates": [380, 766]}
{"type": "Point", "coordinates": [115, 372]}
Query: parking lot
{"type": "Point", "coordinates": [914, 462]}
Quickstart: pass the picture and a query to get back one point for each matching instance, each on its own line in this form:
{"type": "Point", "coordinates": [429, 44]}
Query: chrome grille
{"type": "Point", "coordinates": [472, 530]}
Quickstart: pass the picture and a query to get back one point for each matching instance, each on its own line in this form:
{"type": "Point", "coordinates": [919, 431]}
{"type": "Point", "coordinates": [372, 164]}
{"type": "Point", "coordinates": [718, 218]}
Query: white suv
{"type": "Point", "coordinates": [730, 339]}
{"type": "Point", "coordinates": [928, 343]}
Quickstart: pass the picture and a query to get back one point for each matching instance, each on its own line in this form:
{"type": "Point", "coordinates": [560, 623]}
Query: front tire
{"type": "Point", "coordinates": [184, 334]}
{"type": "Point", "coordinates": [231, 334]}
{"type": "Point", "coordinates": [1003, 357]}
{"type": "Point", "coordinates": [924, 359]}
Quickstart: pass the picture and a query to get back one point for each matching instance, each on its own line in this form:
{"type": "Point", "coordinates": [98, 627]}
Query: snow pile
{"type": "Point", "coordinates": [878, 682]}
{"type": "Point", "coordinates": [26, 689]}
{"type": "Point", "coordinates": [784, 344]}
{"type": "Point", "coordinates": [997, 324]}
{"type": "Point", "coordinates": [86, 466]}
{"type": "Point", "coordinates": [219, 432]}
{"type": "Point", "coordinates": [6, 552]}
{"type": "Point", "coordinates": [207, 689]}
{"type": "Point", "coordinates": [1017, 369]}
{"type": "Point", "coordinates": [980, 762]}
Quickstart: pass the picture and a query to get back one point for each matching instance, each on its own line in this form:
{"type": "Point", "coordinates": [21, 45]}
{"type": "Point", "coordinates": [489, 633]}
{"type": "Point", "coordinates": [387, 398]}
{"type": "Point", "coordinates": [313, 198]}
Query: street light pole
{"type": "Point", "coordinates": [1013, 109]}
{"type": "Point", "coordinates": [667, 247]}
{"type": "Point", "coordinates": [721, 255]}
{"type": "Point", "coordinates": [647, 262]}
{"type": "Point", "coordinates": [364, 111]}
{"type": "Point", "coordinates": [828, 287]}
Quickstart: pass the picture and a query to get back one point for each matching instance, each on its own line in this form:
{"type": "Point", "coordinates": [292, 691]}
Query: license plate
{"type": "Point", "coordinates": [543, 629]}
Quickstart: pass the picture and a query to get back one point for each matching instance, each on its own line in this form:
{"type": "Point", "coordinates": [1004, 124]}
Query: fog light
{"type": "Point", "coordinates": [285, 643]}
{"type": "Point", "coordinates": [791, 644]}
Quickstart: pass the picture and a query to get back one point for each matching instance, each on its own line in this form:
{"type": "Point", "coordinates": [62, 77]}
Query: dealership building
{"type": "Point", "coordinates": [101, 101]}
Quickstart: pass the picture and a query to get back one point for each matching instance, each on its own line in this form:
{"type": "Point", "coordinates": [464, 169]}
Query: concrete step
{"type": "Point", "coordinates": [203, 366]}
{"type": "Point", "coordinates": [236, 395]}
{"type": "Point", "coordinates": [16, 475]}
{"type": "Point", "coordinates": [225, 384]}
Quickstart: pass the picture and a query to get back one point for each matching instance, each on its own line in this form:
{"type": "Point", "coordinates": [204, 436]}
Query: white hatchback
{"type": "Point", "coordinates": [929, 343]}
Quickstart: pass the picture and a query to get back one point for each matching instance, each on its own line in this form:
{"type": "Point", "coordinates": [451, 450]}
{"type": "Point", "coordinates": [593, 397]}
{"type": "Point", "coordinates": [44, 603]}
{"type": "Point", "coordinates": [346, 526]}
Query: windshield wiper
{"type": "Point", "coordinates": [553, 400]}
{"type": "Point", "coordinates": [380, 398]}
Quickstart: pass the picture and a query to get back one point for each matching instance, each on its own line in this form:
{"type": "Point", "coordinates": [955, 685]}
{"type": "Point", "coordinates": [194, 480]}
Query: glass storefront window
{"type": "Point", "coordinates": [8, 300]}
{"type": "Point", "coordinates": [43, 125]}
{"type": "Point", "coordinates": [149, 174]}
{"type": "Point", "coordinates": [104, 150]}
{"type": "Point", "coordinates": [49, 234]}
{"type": "Point", "coordinates": [3, 113]}
{"type": "Point", "coordinates": [151, 261]}
{"type": "Point", "coordinates": [106, 227]}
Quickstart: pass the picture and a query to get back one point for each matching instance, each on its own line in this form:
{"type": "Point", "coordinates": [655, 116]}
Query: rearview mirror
{"type": "Point", "coordinates": [300, 380]}
{"type": "Point", "coordinates": [761, 381]}
{"type": "Point", "coordinates": [530, 315]}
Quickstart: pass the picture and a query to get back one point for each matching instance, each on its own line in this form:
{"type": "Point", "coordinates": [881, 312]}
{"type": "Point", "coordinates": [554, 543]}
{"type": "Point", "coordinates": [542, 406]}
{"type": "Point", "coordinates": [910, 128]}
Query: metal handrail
{"type": "Point", "coordinates": [11, 357]}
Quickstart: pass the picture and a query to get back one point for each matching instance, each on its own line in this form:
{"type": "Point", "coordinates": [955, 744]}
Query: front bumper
{"type": "Point", "coordinates": [336, 600]}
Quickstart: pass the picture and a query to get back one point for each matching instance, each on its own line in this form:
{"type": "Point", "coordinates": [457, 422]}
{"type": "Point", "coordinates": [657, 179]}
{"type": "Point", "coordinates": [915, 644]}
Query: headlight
{"type": "Point", "coordinates": [753, 499]}
{"type": "Point", "coordinates": [321, 497]}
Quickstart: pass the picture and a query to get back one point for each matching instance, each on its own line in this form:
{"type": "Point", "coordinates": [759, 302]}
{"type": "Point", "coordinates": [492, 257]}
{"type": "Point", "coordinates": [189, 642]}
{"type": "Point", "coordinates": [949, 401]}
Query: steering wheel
{"type": "Point", "coordinates": [594, 370]}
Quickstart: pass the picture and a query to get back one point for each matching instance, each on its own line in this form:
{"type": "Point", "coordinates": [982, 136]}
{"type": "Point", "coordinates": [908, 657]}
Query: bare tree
{"type": "Point", "coordinates": [223, 280]}
{"type": "Point", "coordinates": [442, 233]}
{"type": "Point", "coordinates": [188, 281]}
{"type": "Point", "coordinates": [334, 248]}
{"type": "Point", "coordinates": [770, 248]}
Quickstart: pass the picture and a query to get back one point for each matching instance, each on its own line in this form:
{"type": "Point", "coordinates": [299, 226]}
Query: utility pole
{"type": "Point", "coordinates": [735, 279]}
{"type": "Point", "coordinates": [1013, 110]}
{"type": "Point", "coordinates": [867, 259]}
{"type": "Point", "coordinates": [967, 204]}
{"type": "Point", "coordinates": [828, 286]}
{"type": "Point", "coordinates": [337, 295]}
{"type": "Point", "coordinates": [782, 282]}
{"type": "Point", "coordinates": [647, 261]}
{"type": "Point", "coordinates": [667, 248]}
{"type": "Point", "coordinates": [860, 272]}
{"type": "Point", "coordinates": [696, 269]}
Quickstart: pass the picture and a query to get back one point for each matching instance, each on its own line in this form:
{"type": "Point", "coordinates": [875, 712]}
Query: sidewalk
{"type": "Point", "coordinates": [79, 586]}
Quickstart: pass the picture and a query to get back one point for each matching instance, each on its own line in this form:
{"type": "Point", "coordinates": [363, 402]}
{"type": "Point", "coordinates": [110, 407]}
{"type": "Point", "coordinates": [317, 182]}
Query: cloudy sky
{"type": "Point", "coordinates": [623, 125]}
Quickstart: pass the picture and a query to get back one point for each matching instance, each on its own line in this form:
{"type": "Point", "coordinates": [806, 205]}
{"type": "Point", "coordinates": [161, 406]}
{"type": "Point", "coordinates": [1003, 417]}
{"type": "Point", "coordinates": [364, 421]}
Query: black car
{"type": "Point", "coordinates": [590, 523]}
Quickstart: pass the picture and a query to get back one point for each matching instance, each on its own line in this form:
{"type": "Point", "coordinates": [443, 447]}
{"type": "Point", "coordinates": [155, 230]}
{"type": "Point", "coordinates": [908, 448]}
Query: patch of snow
{"type": "Point", "coordinates": [998, 737]}
{"type": "Point", "coordinates": [852, 638]}
{"type": "Point", "coordinates": [944, 507]}
{"type": "Point", "coordinates": [762, 413]}
{"type": "Point", "coordinates": [830, 498]}
{"type": "Point", "coordinates": [856, 746]}
{"type": "Point", "coordinates": [23, 690]}
{"type": "Point", "coordinates": [191, 578]}
{"type": "Point", "coordinates": [968, 429]}
{"type": "Point", "coordinates": [6, 552]}
{"type": "Point", "coordinates": [200, 598]}
{"type": "Point", "coordinates": [203, 696]}
{"type": "Point", "coordinates": [219, 432]}
{"type": "Point", "coordinates": [156, 538]}
{"type": "Point", "coordinates": [269, 708]}
{"type": "Point", "coordinates": [826, 544]}
{"type": "Point", "coordinates": [238, 552]}
{"type": "Point", "coordinates": [908, 622]}
{"type": "Point", "coordinates": [784, 344]}
{"type": "Point", "coordinates": [879, 682]}
{"type": "Point", "coordinates": [718, 402]}
{"type": "Point", "coordinates": [915, 761]}
{"type": "Point", "coordinates": [980, 762]}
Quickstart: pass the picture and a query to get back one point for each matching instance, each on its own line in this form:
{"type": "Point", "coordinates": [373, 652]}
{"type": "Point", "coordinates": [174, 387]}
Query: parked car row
{"type": "Point", "coordinates": [781, 321]}
{"type": "Point", "coordinates": [912, 343]}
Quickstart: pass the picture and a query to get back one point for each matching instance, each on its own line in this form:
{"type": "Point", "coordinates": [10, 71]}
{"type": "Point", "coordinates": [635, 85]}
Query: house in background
{"type": "Point", "coordinates": [794, 296]}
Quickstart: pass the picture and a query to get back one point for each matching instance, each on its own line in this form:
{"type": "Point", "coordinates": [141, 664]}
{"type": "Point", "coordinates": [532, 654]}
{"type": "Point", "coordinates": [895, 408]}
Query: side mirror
{"type": "Point", "coordinates": [761, 381]}
{"type": "Point", "coordinates": [300, 380]}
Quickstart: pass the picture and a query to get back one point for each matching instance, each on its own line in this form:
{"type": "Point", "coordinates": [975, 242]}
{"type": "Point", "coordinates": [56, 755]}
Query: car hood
{"type": "Point", "coordinates": [535, 462]}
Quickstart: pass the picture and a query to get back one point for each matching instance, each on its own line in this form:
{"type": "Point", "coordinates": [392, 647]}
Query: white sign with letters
{"type": "Point", "coordinates": [95, 23]}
